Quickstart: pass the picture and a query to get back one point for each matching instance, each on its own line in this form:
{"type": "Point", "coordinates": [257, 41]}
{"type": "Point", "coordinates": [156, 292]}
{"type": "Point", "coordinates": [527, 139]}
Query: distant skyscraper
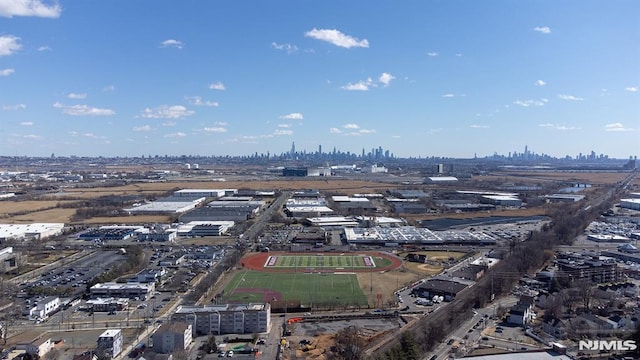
{"type": "Point", "coordinates": [319, 149]}
{"type": "Point", "coordinates": [293, 148]}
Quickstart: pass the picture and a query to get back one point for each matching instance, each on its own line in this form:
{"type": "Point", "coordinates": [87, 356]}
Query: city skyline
{"type": "Point", "coordinates": [449, 79]}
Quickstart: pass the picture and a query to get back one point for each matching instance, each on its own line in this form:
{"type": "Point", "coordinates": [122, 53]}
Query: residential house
{"type": "Point", "coordinates": [172, 337]}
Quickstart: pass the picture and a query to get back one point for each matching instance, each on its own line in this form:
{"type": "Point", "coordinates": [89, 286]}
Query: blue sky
{"type": "Point", "coordinates": [420, 78]}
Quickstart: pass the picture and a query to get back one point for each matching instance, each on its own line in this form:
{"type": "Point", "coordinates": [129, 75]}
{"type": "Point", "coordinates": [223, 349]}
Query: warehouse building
{"type": "Point", "coordinates": [110, 233]}
{"type": "Point", "coordinates": [564, 197]}
{"type": "Point", "coordinates": [226, 319]}
{"type": "Point", "coordinates": [230, 210]}
{"type": "Point", "coordinates": [633, 204]}
{"type": "Point", "coordinates": [208, 193]}
{"type": "Point", "coordinates": [205, 228]}
{"type": "Point", "coordinates": [35, 231]}
{"type": "Point", "coordinates": [502, 200]}
{"type": "Point", "coordinates": [169, 205]}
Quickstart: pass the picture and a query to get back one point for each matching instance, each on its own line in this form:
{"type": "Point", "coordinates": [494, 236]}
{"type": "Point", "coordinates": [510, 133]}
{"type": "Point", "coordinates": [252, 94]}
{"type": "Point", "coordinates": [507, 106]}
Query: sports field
{"type": "Point", "coordinates": [320, 261]}
{"type": "Point", "coordinates": [311, 289]}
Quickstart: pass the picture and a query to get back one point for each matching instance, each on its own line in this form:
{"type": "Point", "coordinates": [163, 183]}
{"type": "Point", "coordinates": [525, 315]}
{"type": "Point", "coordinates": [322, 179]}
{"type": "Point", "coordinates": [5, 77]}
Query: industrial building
{"type": "Point", "coordinates": [169, 205]}
{"type": "Point", "coordinates": [439, 287]}
{"type": "Point", "coordinates": [441, 180]}
{"type": "Point", "coordinates": [162, 235]}
{"type": "Point", "coordinates": [35, 231]}
{"type": "Point", "coordinates": [299, 172]}
{"type": "Point", "coordinates": [502, 200]}
{"type": "Point", "coordinates": [564, 197]}
{"type": "Point", "coordinates": [393, 236]}
{"type": "Point", "coordinates": [333, 221]}
{"type": "Point", "coordinates": [229, 210]}
{"type": "Point", "coordinates": [633, 204]}
{"type": "Point", "coordinates": [208, 193]}
{"type": "Point", "coordinates": [307, 207]}
{"type": "Point", "coordinates": [111, 233]}
{"type": "Point", "coordinates": [205, 228]}
{"type": "Point", "coordinates": [8, 260]}
{"type": "Point", "coordinates": [226, 319]}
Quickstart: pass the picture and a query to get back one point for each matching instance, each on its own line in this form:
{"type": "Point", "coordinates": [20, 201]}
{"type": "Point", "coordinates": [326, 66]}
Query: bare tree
{"type": "Point", "coordinates": [349, 344]}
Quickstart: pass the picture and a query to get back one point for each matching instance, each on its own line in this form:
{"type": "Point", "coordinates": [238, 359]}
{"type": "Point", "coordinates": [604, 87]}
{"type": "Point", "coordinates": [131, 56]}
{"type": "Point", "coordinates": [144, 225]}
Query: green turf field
{"type": "Point", "coordinates": [309, 288]}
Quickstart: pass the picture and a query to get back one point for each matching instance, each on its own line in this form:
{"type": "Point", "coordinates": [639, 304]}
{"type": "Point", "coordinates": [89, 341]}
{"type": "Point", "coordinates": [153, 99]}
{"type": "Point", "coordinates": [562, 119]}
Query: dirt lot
{"type": "Point", "coordinates": [384, 283]}
{"type": "Point", "coordinates": [595, 178]}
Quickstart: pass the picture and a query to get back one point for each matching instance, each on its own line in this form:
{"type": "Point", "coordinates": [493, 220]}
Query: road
{"type": "Point", "coordinates": [258, 226]}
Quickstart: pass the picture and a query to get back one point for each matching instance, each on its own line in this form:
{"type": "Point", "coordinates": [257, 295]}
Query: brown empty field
{"type": "Point", "coordinates": [57, 215]}
{"type": "Point", "coordinates": [11, 207]}
{"type": "Point", "coordinates": [384, 283]}
{"type": "Point", "coordinates": [338, 185]}
{"type": "Point", "coordinates": [595, 178]}
{"type": "Point", "coordinates": [133, 219]}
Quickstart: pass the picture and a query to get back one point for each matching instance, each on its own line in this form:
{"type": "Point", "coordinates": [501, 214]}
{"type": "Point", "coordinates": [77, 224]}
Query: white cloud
{"type": "Point", "coordinates": [217, 86]}
{"type": "Point", "coordinates": [531, 102]}
{"type": "Point", "coordinates": [221, 123]}
{"type": "Point", "coordinates": [335, 131]}
{"type": "Point", "coordinates": [167, 112]}
{"type": "Point", "coordinates": [284, 126]}
{"type": "Point", "coordinates": [11, 8]}
{"type": "Point", "coordinates": [336, 38]}
{"type": "Point", "coordinates": [197, 101]}
{"type": "Point", "coordinates": [109, 88]}
{"type": "Point", "coordinates": [560, 127]}
{"type": "Point", "coordinates": [359, 86]}
{"type": "Point", "coordinates": [569, 97]}
{"type": "Point", "coordinates": [479, 126]}
{"type": "Point", "coordinates": [9, 45]}
{"type": "Point", "coordinates": [617, 127]}
{"type": "Point", "coordinates": [433, 54]}
{"type": "Point", "coordinates": [219, 129]}
{"type": "Point", "coordinates": [14, 107]}
{"type": "Point", "coordinates": [281, 132]}
{"type": "Point", "coordinates": [351, 126]}
{"type": "Point", "coordinates": [172, 43]}
{"type": "Point", "coordinates": [83, 110]}
{"type": "Point", "coordinates": [26, 123]}
{"type": "Point", "coordinates": [632, 88]}
{"type": "Point", "coordinates": [448, 95]}
{"type": "Point", "coordinates": [458, 54]}
{"type": "Point", "coordinates": [142, 128]}
{"type": "Point", "coordinates": [76, 96]}
{"type": "Point", "coordinates": [215, 129]}
{"type": "Point", "coordinates": [44, 48]}
{"type": "Point", "coordinates": [7, 72]}
{"type": "Point", "coordinates": [367, 131]}
{"type": "Point", "coordinates": [32, 137]}
{"type": "Point", "coordinates": [175, 135]}
{"type": "Point", "coordinates": [169, 123]}
{"type": "Point", "coordinates": [285, 47]}
{"type": "Point", "coordinates": [386, 78]}
{"type": "Point", "coordinates": [293, 116]}
{"type": "Point", "coordinates": [542, 29]}
{"type": "Point", "coordinates": [541, 83]}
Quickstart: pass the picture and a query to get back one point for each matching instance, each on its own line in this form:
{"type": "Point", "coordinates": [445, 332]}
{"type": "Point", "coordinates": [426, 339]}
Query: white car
{"type": "Point", "coordinates": [230, 353]}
